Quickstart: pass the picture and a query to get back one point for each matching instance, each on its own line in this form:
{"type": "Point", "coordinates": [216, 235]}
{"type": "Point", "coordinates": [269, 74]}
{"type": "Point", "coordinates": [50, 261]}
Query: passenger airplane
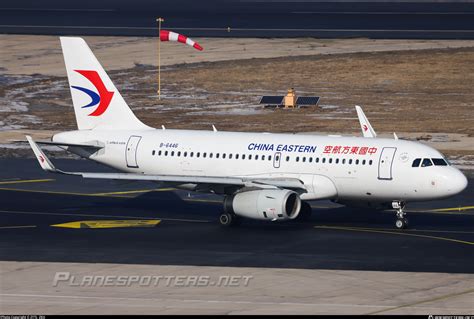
{"type": "Point", "coordinates": [263, 176]}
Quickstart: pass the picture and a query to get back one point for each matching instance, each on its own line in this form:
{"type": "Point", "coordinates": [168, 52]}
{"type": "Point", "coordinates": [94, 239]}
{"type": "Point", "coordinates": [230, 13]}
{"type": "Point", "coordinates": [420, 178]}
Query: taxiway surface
{"type": "Point", "coordinates": [441, 237]}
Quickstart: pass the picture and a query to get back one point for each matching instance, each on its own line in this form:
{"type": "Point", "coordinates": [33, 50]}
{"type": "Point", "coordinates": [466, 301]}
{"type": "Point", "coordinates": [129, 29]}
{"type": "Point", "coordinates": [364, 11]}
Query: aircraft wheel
{"type": "Point", "coordinates": [401, 223]}
{"type": "Point", "coordinates": [227, 219]}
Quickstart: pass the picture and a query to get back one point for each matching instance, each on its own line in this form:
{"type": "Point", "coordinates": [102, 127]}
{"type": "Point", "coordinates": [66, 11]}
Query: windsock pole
{"type": "Point", "coordinates": [159, 20]}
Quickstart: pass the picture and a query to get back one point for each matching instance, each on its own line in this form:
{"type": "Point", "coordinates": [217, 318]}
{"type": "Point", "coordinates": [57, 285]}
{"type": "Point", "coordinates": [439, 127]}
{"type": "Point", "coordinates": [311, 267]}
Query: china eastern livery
{"type": "Point", "coordinates": [262, 176]}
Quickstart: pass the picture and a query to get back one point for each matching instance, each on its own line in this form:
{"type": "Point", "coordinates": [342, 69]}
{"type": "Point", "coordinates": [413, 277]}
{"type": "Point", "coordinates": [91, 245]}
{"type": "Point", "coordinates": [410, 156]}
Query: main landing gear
{"type": "Point", "coordinates": [402, 221]}
{"type": "Point", "coordinates": [229, 219]}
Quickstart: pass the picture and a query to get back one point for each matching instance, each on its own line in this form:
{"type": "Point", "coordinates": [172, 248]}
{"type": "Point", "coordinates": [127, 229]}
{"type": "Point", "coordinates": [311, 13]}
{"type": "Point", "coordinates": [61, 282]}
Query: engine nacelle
{"type": "Point", "coordinates": [264, 204]}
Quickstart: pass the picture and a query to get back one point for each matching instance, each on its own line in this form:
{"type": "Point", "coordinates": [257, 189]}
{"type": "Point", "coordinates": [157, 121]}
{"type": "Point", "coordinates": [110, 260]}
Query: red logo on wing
{"type": "Point", "coordinates": [41, 158]}
{"type": "Point", "coordinates": [105, 96]}
{"type": "Point", "coordinates": [365, 127]}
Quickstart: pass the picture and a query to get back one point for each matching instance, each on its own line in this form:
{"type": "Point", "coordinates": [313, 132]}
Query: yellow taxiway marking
{"type": "Point", "coordinates": [59, 193]}
{"type": "Point", "coordinates": [14, 227]}
{"type": "Point", "coordinates": [22, 181]}
{"type": "Point", "coordinates": [135, 191]}
{"type": "Point", "coordinates": [106, 216]}
{"type": "Point", "coordinates": [111, 194]}
{"type": "Point", "coordinates": [401, 233]}
{"type": "Point", "coordinates": [109, 223]}
{"type": "Point", "coordinates": [452, 209]}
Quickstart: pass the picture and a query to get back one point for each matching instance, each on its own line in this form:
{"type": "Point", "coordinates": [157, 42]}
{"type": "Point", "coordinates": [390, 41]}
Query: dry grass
{"type": "Point", "coordinates": [412, 91]}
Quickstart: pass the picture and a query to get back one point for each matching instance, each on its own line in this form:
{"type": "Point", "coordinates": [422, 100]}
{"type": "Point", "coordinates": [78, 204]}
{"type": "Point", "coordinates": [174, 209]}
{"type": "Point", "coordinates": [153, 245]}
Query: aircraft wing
{"type": "Point", "coordinates": [367, 129]}
{"type": "Point", "coordinates": [289, 183]}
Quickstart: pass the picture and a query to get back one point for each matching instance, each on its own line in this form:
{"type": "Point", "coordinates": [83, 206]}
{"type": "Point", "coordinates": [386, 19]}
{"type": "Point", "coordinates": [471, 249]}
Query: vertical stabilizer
{"type": "Point", "coordinates": [97, 102]}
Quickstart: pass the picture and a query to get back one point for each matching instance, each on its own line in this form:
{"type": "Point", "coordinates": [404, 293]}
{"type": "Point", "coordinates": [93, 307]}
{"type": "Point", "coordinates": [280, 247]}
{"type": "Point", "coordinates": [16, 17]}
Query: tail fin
{"type": "Point", "coordinates": [97, 102]}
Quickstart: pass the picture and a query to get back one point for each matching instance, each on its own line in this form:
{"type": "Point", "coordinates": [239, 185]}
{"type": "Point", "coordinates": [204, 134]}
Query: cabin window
{"type": "Point", "coordinates": [263, 157]}
{"type": "Point", "coordinates": [223, 155]}
{"type": "Point", "coordinates": [363, 162]}
{"type": "Point", "coordinates": [230, 156]}
{"type": "Point", "coordinates": [310, 159]}
{"type": "Point", "coordinates": [330, 161]}
{"type": "Point", "coordinates": [179, 153]}
{"type": "Point", "coordinates": [317, 160]}
{"type": "Point", "coordinates": [191, 154]}
{"type": "Point", "coordinates": [297, 158]}
{"type": "Point", "coordinates": [350, 161]}
{"type": "Point", "coordinates": [250, 156]}
{"type": "Point", "coordinates": [304, 159]}
{"type": "Point", "coordinates": [439, 162]}
{"type": "Point", "coordinates": [198, 154]}
{"type": "Point", "coordinates": [357, 162]}
{"type": "Point", "coordinates": [337, 161]}
{"type": "Point", "coordinates": [236, 156]}
{"type": "Point", "coordinates": [324, 160]}
{"type": "Point", "coordinates": [343, 161]}
{"type": "Point", "coordinates": [287, 158]}
{"type": "Point", "coordinates": [370, 162]}
{"type": "Point", "coordinates": [153, 153]}
{"type": "Point", "coordinates": [159, 153]}
{"type": "Point", "coordinates": [217, 155]}
{"type": "Point", "coordinates": [166, 153]}
{"type": "Point", "coordinates": [204, 154]}
{"type": "Point", "coordinates": [185, 154]}
{"type": "Point", "coordinates": [256, 157]}
{"type": "Point", "coordinates": [269, 157]}
{"type": "Point", "coordinates": [416, 162]}
{"type": "Point", "coordinates": [243, 156]}
{"type": "Point", "coordinates": [210, 155]}
{"type": "Point", "coordinates": [426, 162]}
{"type": "Point", "coordinates": [172, 153]}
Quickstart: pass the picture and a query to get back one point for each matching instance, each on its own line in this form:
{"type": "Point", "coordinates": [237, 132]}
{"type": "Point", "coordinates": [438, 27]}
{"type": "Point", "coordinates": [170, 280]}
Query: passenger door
{"type": "Point", "coordinates": [131, 151]}
{"type": "Point", "coordinates": [386, 162]}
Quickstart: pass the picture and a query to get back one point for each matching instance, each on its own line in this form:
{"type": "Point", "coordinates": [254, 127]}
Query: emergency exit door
{"type": "Point", "coordinates": [131, 151]}
{"type": "Point", "coordinates": [277, 160]}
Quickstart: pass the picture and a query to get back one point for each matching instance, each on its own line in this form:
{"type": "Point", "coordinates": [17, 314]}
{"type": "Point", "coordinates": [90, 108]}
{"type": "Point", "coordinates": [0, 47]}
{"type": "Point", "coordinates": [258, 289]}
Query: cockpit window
{"type": "Point", "coordinates": [439, 162]}
{"type": "Point", "coordinates": [426, 162]}
{"type": "Point", "coordinates": [416, 162]}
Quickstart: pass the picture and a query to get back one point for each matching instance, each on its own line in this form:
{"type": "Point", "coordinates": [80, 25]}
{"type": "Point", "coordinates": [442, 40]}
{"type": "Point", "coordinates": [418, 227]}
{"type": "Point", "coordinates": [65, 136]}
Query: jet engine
{"type": "Point", "coordinates": [264, 204]}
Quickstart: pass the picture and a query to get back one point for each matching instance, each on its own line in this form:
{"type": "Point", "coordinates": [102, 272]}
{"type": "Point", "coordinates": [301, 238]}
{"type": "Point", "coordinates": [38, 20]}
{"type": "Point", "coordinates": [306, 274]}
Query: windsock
{"type": "Point", "coordinates": [166, 35]}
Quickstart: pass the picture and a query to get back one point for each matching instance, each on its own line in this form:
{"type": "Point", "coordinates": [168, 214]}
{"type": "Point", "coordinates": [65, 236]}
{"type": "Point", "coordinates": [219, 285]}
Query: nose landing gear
{"type": "Point", "coordinates": [402, 221]}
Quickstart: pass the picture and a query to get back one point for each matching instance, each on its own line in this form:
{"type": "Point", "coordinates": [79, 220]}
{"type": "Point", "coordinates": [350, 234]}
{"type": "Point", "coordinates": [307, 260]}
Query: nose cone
{"type": "Point", "coordinates": [457, 182]}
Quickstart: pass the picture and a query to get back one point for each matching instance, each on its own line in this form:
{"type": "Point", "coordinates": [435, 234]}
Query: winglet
{"type": "Point", "coordinates": [367, 129]}
{"type": "Point", "coordinates": [214, 128]}
{"type": "Point", "coordinates": [43, 160]}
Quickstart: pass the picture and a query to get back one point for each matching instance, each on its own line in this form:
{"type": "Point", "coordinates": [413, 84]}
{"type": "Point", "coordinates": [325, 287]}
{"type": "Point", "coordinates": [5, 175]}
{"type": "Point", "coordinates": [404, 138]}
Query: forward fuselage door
{"type": "Point", "coordinates": [386, 162]}
{"type": "Point", "coordinates": [131, 151]}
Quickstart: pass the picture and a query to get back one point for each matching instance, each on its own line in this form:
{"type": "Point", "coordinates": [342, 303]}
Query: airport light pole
{"type": "Point", "coordinates": [159, 20]}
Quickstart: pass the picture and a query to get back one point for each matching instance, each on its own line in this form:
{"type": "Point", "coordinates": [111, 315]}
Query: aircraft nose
{"type": "Point", "coordinates": [457, 182]}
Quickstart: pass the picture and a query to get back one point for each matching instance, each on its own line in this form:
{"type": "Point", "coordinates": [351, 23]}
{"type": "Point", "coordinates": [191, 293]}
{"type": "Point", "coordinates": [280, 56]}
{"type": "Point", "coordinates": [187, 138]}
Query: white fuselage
{"type": "Point", "coordinates": [346, 169]}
